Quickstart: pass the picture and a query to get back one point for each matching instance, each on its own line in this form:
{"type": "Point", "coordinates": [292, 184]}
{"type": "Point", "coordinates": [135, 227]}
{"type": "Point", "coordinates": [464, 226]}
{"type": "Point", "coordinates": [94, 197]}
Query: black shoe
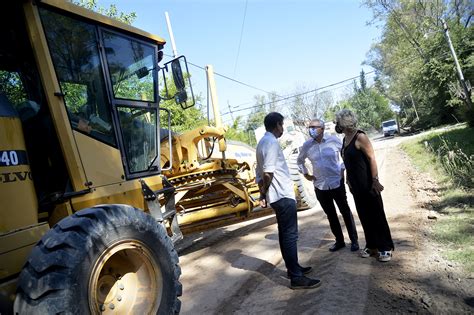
{"type": "Point", "coordinates": [354, 247]}
{"type": "Point", "coordinates": [337, 246]}
{"type": "Point", "coordinates": [304, 270]}
{"type": "Point", "coordinates": [304, 283]}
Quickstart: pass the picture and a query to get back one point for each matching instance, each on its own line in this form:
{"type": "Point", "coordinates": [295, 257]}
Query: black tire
{"type": "Point", "coordinates": [109, 257]}
{"type": "Point", "coordinates": [305, 195]}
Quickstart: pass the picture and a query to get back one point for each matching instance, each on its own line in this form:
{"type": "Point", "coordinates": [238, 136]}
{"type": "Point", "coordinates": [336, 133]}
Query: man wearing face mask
{"type": "Point", "coordinates": [328, 178]}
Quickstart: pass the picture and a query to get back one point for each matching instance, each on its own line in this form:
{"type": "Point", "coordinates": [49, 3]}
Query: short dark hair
{"type": "Point", "coordinates": [271, 120]}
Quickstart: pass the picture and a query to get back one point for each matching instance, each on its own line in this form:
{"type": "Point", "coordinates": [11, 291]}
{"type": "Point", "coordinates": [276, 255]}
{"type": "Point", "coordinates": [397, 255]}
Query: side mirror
{"type": "Point", "coordinates": [180, 85]}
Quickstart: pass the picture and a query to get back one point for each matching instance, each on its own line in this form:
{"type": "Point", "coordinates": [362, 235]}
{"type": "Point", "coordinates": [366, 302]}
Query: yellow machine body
{"type": "Point", "coordinates": [15, 177]}
{"type": "Point", "coordinates": [50, 166]}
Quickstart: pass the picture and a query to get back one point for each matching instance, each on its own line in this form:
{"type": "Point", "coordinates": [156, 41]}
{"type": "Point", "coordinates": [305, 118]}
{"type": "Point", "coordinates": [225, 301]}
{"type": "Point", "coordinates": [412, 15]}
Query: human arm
{"type": "Point", "coordinates": [263, 186]}
{"type": "Point", "coordinates": [267, 158]}
{"type": "Point", "coordinates": [300, 161]}
{"type": "Point", "coordinates": [363, 144]}
{"type": "Point", "coordinates": [338, 154]}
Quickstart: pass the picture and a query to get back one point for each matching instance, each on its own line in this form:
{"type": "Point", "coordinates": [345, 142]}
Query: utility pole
{"type": "Point", "coordinates": [170, 31]}
{"type": "Point", "coordinates": [215, 105]}
{"type": "Point", "coordinates": [213, 92]}
{"type": "Point", "coordinates": [414, 107]}
{"type": "Point", "coordinates": [467, 92]}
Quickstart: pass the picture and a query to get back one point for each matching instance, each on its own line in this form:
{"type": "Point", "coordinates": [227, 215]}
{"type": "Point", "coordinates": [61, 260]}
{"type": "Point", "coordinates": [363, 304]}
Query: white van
{"type": "Point", "coordinates": [389, 127]}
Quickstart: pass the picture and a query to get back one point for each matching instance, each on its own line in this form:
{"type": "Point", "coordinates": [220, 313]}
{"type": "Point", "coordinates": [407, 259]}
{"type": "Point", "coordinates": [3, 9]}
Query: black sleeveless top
{"type": "Point", "coordinates": [357, 166]}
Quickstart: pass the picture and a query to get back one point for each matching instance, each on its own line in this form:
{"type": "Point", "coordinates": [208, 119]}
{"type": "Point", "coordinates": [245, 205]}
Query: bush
{"type": "Point", "coordinates": [455, 162]}
{"type": "Point", "coordinates": [470, 117]}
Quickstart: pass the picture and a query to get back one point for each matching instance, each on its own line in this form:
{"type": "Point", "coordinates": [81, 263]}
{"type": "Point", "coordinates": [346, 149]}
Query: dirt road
{"type": "Point", "coordinates": [238, 269]}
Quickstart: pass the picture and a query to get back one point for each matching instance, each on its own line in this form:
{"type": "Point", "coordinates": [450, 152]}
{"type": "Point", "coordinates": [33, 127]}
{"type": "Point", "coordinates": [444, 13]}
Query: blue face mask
{"type": "Point", "coordinates": [314, 132]}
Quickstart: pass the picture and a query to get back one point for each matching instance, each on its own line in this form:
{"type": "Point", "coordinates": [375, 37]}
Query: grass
{"type": "Point", "coordinates": [448, 156]}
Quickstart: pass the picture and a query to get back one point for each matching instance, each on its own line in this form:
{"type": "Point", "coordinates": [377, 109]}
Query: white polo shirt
{"type": "Point", "coordinates": [270, 159]}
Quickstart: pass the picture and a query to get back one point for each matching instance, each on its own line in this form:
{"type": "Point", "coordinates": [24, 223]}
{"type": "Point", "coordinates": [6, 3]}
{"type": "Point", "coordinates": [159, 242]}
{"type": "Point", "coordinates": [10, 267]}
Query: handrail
{"type": "Point", "coordinates": [170, 142]}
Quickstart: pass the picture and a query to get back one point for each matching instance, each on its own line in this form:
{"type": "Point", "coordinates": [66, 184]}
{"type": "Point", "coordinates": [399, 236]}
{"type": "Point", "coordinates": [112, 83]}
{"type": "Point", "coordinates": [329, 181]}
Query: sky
{"type": "Point", "coordinates": [279, 46]}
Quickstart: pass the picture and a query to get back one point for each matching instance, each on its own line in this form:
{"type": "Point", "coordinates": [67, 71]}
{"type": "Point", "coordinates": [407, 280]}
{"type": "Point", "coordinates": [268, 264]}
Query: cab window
{"type": "Point", "coordinates": [131, 67]}
{"type": "Point", "coordinates": [139, 136]}
{"type": "Point", "coordinates": [74, 49]}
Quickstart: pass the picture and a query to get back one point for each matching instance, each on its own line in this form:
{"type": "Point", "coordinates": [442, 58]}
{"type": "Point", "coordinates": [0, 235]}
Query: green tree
{"type": "Point", "coordinates": [413, 61]}
{"type": "Point", "coordinates": [181, 119]}
{"type": "Point", "coordinates": [111, 11]}
{"type": "Point", "coordinates": [10, 84]}
{"type": "Point", "coordinates": [258, 113]}
{"type": "Point", "coordinates": [237, 132]}
{"type": "Point", "coordinates": [370, 106]}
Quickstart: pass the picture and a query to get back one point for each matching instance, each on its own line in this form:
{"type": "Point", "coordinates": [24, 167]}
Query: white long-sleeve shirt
{"type": "Point", "coordinates": [270, 159]}
{"type": "Point", "coordinates": [325, 157]}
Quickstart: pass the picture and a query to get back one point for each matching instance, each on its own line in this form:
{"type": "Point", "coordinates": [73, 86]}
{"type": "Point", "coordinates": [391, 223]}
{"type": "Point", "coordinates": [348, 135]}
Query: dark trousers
{"type": "Point", "coordinates": [326, 199]}
{"type": "Point", "coordinates": [372, 216]}
{"type": "Point", "coordinates": [285, 210]}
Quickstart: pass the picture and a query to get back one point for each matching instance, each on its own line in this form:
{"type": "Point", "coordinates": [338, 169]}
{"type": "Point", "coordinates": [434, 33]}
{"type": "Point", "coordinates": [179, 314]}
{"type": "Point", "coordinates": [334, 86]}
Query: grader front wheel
{"type": "Point", "coordinates": [112, 259]}
{"type": "Point", "coordinates": [126, 275]}
{"type": "Point", "coordinates": [305, 195]}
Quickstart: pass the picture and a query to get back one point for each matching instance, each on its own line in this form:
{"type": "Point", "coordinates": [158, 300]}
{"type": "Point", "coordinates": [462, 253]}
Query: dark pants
{"type": "Point", "coordinates": [326, 199]}
{"type": "Point", "coordinates": [372, 216]}
{"type": "Point", "coordinates": [285, 210]}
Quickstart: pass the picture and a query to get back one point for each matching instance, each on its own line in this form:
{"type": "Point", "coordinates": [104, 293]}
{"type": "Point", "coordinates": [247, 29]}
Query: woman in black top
{"type": "Point", "coordinates": [363, 181]}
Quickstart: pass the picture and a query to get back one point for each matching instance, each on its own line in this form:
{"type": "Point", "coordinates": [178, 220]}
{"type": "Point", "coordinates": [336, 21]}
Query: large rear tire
{"type": "Point", "coordinates": [105, 259]}
{"type": "Point", "coordinates": [304, 189]}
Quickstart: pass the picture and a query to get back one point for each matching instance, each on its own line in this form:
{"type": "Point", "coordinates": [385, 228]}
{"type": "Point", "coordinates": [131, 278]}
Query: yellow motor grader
{"type": "Point", "coordinates": [87, 218]}
{"type": "Point", "coordinates": [94, 185]}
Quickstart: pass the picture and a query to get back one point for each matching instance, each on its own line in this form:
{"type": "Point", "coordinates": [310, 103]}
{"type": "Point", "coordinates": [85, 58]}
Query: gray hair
{"type": "Point", "coordinates": [319, 120]}
{"type": "Point", "coordinates": [346, 119]}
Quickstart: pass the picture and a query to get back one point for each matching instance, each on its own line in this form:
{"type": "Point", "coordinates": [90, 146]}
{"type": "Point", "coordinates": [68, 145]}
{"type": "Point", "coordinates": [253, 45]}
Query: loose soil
{"type": "Point", "coordinates": [239, 270]}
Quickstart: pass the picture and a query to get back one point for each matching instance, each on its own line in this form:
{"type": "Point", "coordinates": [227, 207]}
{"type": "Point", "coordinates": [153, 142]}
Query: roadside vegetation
{"type": "Point", "coordinates": [448, 156]}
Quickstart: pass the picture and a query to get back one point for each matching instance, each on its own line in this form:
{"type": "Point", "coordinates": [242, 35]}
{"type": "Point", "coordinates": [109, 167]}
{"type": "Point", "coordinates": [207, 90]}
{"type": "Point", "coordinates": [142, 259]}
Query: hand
{"type": "Point", "coordinates": [309, 177]}
{"type": "Point", "coordinates": [263, 201]}
{"type": "Point", "coordinates": [83, 125]}
{"type": "Point", "coordinates": [376, 186]}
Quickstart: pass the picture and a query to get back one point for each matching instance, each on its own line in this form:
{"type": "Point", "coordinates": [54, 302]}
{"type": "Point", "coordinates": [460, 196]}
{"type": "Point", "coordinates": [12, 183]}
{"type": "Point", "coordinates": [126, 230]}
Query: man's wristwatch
{"type": "Point", "coordinates": [375, 178]}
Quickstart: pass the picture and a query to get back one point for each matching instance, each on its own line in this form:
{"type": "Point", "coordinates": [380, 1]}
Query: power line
{"type": "Point", "coordinates": [408, 59]}
{"type": "Point", "coordinates": [228, 78]}
{"type": "Point", "coordinates": [297, 95]}
{"type": "Point", "coordinates": [234, 80]}
{"type": "Point", "coordinates": [241, 35]}
{"type": "Point", "coordinates": [271, 93]}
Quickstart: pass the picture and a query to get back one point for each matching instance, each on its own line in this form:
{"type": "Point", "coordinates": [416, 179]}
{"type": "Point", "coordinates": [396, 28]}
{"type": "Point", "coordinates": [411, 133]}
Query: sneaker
{"type": "Point", "coordinates": [304, 283]}
{"type": "Point", "coordinates": [354, 247]}
{"type": "Point", "coordinates": [304, 270]}
{"type": "Point", "coordinates": [367, 252]}
{"type": "Point", "coordinates": [337, 246]}
{"type": "Point", "coordinates": [385, 256]}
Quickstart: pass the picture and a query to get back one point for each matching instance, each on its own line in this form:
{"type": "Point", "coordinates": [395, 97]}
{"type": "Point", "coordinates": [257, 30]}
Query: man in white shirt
{"type": "Point", "coordinates": [324, 152]}
{"type": "Point", "coordinates": [277, 189]}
